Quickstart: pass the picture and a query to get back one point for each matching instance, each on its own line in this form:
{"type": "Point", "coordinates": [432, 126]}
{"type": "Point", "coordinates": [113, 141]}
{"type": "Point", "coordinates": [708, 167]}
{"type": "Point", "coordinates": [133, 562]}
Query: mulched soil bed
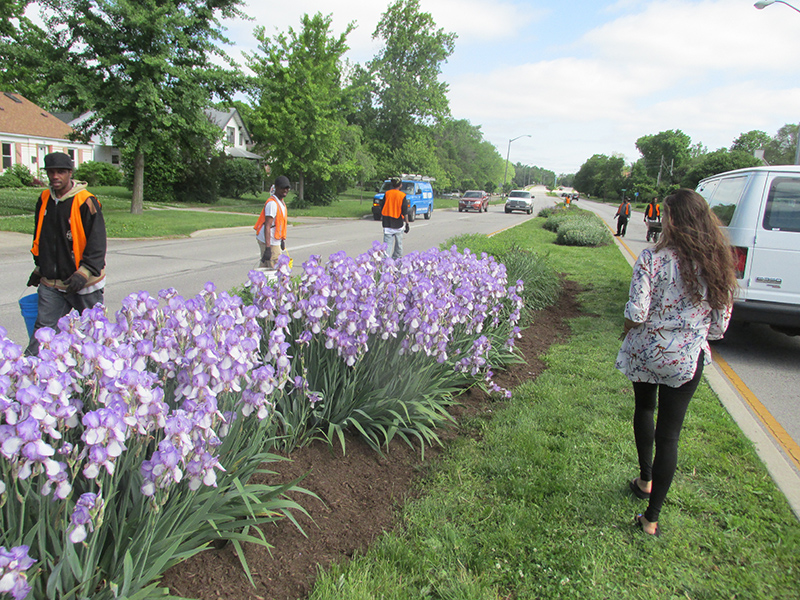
{"type": "Point", "coordinates": [358, 492]}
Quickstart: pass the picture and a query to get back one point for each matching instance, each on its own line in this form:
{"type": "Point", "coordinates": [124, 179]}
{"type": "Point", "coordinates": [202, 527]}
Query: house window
{"type": "Point", "coordinates": [231, 136]}
{"type": "Point", "coordinates": [115, 159]}
{"type": "Point", "coordinates": [6, 156]}
{"type": "Point", "coordinates": [71, 153]}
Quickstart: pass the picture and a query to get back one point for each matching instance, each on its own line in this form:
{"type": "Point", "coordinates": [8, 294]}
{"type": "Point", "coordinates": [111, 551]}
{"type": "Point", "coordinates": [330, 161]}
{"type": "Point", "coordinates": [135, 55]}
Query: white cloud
{"type": "Point", "coordinates": [711, 68]}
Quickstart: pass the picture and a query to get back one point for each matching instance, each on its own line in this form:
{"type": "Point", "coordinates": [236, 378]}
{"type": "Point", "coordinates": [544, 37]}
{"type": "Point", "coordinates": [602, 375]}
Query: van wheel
{"type": "Point", "coordinates": [429, 213]}
{"type": "Point", "coordinates": [412, 215]}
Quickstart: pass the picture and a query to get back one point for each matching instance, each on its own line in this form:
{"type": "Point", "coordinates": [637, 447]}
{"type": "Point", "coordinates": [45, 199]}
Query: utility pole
{"type": "Point", "coordinates": [660, 166]}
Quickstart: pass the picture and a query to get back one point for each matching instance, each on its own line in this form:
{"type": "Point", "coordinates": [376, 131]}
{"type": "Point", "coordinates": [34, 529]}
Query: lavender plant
{"type": "Point", "coordinates": [128, 444]}
{"type": "Point", "coordinates": [378, 346]}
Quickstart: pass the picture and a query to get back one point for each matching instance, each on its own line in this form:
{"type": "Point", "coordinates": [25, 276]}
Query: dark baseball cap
{"type": "Point", "coordinates": [58, 160]}
{"type": "Point", "coordinates": [282, 182]}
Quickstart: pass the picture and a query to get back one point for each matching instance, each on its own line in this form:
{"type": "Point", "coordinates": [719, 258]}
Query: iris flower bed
{"type": "Point", "coordinates": [128, 444]}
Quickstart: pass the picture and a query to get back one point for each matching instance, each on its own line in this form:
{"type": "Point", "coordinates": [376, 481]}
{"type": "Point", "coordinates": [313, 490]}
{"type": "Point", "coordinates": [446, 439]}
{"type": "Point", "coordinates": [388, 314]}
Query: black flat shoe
{"type": "Point", "coordinates": [637, 491]}
{"type": "Point", "coordinates": [638, 522]}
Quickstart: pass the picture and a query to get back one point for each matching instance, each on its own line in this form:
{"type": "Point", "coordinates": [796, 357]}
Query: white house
{"type": "Point", "coordinates": [28, 132]}
{"type": "Point", "coordinates": [235, 140]}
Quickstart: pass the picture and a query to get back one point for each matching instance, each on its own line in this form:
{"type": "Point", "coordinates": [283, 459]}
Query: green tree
{"type": "Point", "coordinates": [465, 156]}
{"type": "Point", "coordinates": [144, 68]}
{"type": "Point", "coordinates": [667, 155]}
{"type": "Point", "coordinates": [299, 104]}
{"type": "Point", "coordinates": [751, 141]}
{"type": "Point", "coordinates": [782, 149]}
{"type": "Point", "coordinates": [24, 53]}
{"type": "Point", "coordinates": [718, 161]}
{"type": "Point", "coordinates": [405, 86]}
{"type": "Point", "coordinates": [601, 176]}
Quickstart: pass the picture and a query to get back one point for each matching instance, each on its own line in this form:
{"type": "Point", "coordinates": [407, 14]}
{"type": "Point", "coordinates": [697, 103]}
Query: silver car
{"type": "Point", "coordinates": [519, 200]}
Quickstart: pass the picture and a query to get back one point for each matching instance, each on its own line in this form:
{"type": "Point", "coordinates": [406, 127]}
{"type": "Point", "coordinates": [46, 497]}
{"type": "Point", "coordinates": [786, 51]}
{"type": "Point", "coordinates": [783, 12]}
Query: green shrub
{"type": "Point", "coordinates": [9, 180]}
{"type": "Point", "coordinates": [558, 217]}
{"type": "Point", "coordinates": [22, 173]}
{"type": "Point", "coordinates": [238, 176]}
{"type": "Point", "coordinates": [542, 284]}
{"type": "Point", "coordinates": [583, 232]}
{"type": "Point", "coordinates": [98, 173]}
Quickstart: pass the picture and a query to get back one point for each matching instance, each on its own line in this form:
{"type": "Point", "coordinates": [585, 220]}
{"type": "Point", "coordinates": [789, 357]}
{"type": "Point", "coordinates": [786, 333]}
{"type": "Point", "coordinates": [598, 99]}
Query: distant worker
{"type": "Point", "coordinates": [623, 214]}
{"type": "Point", "coordinates": [394, 207]}
{"type": "Point", "coordinates": [273, 222]}
{"type": "Point", "coordinates": [69, 247]}
{"type": "Point", "coordinates": [652, 217]}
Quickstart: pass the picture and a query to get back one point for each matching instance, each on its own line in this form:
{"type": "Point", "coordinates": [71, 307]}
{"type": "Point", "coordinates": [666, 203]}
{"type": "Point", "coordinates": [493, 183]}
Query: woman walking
{"type": "Point", "coordinates": [680, 297]}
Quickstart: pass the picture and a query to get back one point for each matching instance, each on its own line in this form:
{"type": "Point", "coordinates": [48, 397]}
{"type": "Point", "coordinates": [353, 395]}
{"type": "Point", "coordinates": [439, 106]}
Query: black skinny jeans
{"type": "Point", "coordinates": [672, 404]}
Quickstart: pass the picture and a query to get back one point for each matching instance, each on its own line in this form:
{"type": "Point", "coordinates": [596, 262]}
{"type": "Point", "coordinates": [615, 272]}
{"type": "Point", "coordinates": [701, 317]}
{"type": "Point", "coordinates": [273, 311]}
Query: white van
{"type": "Point", "coordinates": [760, 208]}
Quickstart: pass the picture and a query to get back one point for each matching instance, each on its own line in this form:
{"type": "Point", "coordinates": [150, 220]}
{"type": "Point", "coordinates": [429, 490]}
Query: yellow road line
{"type": "Point", "coordinates": [766, 418]}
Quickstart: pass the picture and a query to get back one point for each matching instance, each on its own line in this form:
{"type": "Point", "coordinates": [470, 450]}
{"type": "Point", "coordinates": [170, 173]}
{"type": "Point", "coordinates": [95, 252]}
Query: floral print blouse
{"type": "Point", "coordinates": [673, 331]}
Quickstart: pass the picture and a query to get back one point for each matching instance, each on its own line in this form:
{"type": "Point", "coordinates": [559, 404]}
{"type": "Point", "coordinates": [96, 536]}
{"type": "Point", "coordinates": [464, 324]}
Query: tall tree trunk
{"type": "Point", "coordinates": [301, 187]}
{"type": "Point", "coordinates": [137, 202]}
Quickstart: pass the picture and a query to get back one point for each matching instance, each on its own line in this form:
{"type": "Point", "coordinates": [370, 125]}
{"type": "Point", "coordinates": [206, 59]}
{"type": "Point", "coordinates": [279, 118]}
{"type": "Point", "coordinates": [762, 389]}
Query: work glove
{"type": "Point", "coordinates": [406, 228]}
{"type": "Point", "coordinates": [267, 256]}
{"type": "Point", "coordinates": [34, 279]}
{"type": "Point", "coordinates": [75, 282]}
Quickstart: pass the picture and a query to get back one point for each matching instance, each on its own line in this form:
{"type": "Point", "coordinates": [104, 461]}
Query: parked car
{"type": "Point", "coordinates": [419, 194]}
{"type": "Point", "coordinates": [474, 200]}
{"type": "Point", "coordinates": [760, 209]}
{"type": "Point", "coordinates": [519, 200]}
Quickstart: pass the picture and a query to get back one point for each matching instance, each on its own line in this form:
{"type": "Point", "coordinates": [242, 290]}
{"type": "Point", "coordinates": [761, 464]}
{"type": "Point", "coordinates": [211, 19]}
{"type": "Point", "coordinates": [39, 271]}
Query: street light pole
{"type": "Point", "coordinates": [505, 175]}
{"type": "Point", "coordinates": [760, 5]}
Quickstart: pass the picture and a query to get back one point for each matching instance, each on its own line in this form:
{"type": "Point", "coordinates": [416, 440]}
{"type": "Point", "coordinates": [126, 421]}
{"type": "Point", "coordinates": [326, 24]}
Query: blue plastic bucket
{"type": "Point", "coordinates": [29, 305]}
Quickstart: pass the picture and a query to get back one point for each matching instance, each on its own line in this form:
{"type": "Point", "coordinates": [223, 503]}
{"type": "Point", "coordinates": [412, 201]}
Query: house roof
{"type": "Point", "coordinates": [220, 118]}
{"type": "Point", "coordinates": [241, 153]}
{"type": "Point", "coordinates": [20, 116]}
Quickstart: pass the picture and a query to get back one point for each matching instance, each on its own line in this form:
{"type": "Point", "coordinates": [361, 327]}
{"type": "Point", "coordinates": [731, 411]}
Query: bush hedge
{"type": "Point", "coordinates": [98, 173]}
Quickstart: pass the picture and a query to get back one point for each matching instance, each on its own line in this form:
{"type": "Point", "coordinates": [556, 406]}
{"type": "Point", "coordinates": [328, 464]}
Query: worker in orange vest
{"type": "Point", "coordinates": [623, 214]}
{"type": "Point", "coordinates": [272, 222]}
{"type": "Point", "coordinates": [69, 247]}
{"type": "Point", "coordinates": [394, 207]}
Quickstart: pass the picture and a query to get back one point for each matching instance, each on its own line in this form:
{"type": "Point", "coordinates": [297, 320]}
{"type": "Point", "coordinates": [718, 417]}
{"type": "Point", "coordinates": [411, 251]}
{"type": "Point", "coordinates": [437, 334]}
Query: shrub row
{"type": "Point", "coordinates": [575, 227]}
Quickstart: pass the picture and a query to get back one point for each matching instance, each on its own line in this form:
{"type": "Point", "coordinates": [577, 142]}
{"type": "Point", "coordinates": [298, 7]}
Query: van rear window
{"type": "Point", "coordinates": [725, 198]}
{"type": "Point", "coordinates": [783, 205]}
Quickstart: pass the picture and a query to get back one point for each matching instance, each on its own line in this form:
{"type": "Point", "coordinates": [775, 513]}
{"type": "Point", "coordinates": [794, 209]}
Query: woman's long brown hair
{"type": "Point", "coordinates": [694, 233]}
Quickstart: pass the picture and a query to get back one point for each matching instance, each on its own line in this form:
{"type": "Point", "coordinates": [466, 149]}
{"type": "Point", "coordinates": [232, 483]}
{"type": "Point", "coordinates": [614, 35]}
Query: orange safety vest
{"type": "Point", "coordinates": [281, 220]}
{"type": "Point", "coordinates": [648, 213]}
{"type": "Point", "coordinates": [75, 224]}
{"type": "Point", "coordinates": [627, 207]}
{"type": "Point", "coordinates": [393, 204]}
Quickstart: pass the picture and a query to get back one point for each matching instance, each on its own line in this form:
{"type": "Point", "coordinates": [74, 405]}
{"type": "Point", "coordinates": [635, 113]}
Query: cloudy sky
{"type": "Point", "coordinates": [585, 77]}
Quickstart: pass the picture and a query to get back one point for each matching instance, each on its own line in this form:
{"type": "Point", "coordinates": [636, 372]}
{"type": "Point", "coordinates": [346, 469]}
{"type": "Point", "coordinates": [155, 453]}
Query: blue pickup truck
{"type": "Point", "coordinates": [418, 192]}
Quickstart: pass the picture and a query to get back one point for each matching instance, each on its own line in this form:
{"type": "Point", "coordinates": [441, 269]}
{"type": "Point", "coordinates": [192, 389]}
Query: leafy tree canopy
{"type": "Point", "coordinates": [297, 92]}
{"type": "Point", "coordinates": [751, 141]}
{"type": "Point", "coordinates": [718, 161]}
{"type": "Point", "coordinates": [406, 90]}
{"type": "Point", "coordinates": [666, 152]}
{"type": "Point", "coordinates": [144, 68]}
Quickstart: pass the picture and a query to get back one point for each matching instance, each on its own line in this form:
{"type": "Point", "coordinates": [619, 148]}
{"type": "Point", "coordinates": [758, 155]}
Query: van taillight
{"type": "Point", "coordinates": [740, 260]}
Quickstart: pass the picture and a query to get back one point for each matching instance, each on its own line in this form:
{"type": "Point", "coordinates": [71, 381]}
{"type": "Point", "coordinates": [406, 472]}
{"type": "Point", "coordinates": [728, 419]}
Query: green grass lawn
{"type": "Point", "coordinates": [536, 503]}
